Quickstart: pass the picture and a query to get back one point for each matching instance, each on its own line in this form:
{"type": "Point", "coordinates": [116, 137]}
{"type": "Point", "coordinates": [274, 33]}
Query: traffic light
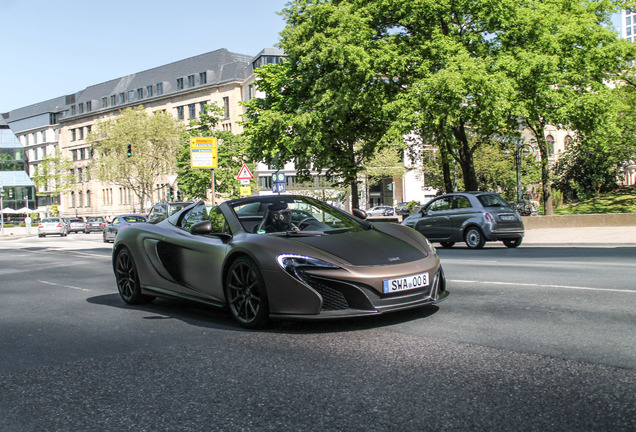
{"type": "Point", "coordinates": [129, 150]}
{"type": "Point", "coordinates": [171, 193]}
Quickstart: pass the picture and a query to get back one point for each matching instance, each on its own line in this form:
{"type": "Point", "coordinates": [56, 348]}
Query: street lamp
{"type": "Point", "coordinates": [1, 208]}
{"type": "Point", "coordinates": [519, 145]}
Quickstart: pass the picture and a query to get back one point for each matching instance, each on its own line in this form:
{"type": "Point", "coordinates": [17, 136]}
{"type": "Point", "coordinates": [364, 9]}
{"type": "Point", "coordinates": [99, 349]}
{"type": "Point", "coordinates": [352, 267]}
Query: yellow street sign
{"type": "Point", "coordinates": [245, 191]}
{"type": "Point", "coordinates": [203, 152]}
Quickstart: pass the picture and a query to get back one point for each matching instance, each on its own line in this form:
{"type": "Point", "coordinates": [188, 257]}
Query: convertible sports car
{"type": "Point", "coordinates": [283, 257]}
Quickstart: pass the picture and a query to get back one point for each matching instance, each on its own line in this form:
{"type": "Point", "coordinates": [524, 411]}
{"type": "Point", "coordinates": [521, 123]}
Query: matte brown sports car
{"type": "Point", "coordinates": [284, 257]}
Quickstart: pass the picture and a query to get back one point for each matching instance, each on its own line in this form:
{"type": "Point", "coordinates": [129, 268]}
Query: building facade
{"type": "Point", "coordinates": [182, 88]}
{"type": "Point", "coordinates": [17, 189]}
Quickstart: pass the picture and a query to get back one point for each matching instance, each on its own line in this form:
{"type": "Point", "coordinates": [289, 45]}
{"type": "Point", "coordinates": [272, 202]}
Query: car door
{"type": "Point", "coordinates": [195, 261]}
{"type": "Point", "coordinates": [435, 222]}
{"type": "Point", "coordinates": [462, 212]}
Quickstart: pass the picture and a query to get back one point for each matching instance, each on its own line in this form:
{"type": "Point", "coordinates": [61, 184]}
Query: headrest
{"type": "Point", "coordinates": [281, 205]}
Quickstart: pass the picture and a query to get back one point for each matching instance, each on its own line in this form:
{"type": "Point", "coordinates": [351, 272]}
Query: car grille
{"type": "Point", "coordinates": [332, 298]}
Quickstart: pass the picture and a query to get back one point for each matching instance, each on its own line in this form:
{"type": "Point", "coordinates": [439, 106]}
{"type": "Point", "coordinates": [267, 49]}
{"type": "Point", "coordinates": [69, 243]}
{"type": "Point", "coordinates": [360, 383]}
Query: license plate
{"type": "Point", "coordinates": [507, 218]}
{"type": "Point", "coordinates": [405, 283]}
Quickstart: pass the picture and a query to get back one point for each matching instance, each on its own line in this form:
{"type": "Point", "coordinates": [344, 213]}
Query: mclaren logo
{"type": "Point", "coordinates": [393, 259]}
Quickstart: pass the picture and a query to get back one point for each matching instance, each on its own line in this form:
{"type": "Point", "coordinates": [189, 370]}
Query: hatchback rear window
{"type": "Point", "coordinates": [492, 201]}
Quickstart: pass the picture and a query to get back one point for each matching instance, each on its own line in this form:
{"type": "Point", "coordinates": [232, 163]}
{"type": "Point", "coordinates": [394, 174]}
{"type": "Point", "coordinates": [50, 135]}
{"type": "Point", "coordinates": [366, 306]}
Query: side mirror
{"type": "Point", "coordinates": [203, 227]}
{"type": "Point", "coordinates": [361, 214]}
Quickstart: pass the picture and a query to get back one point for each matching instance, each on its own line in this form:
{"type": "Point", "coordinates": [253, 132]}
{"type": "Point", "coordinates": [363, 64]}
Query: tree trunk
{"type": "Point", "coordinates": [466, 159]}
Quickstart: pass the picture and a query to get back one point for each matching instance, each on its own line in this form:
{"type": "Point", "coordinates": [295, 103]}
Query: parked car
{"type": "Point", "coordinates": [163, 210]}
{"type": "Point", "coordinates": [402, 209]}
{"type": "Point", "coordinates": [52, 225]}
{"type": "Point", "coordinates": [381, 210]}
{"type": "Point", "coordinates": [111, 229]}
{"type": "Point", "coordinates": [76, 225]}
{"type": "Point", "coordinates": [94, 224]}
{"type": "Point", "coordinates": [278, 257]}
{"type": "Point", "coordinates": [471, 217]}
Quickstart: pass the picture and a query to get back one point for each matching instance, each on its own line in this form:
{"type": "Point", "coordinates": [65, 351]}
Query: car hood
{"type": "Point", "coordinates": [363, 248]}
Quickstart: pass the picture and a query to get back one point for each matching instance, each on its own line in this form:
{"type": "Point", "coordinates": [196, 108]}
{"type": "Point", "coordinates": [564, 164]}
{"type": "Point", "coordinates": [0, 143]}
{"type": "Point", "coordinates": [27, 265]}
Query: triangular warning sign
{"type": "Point", "coordinates": [244, 173]}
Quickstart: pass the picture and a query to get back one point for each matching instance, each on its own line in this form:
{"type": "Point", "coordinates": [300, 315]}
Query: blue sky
{"type": "Point", "coordinates": [54, 48]}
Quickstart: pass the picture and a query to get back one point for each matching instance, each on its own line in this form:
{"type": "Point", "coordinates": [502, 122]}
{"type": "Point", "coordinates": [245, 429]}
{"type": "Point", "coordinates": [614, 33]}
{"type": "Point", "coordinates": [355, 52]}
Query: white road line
{"type": "Point", "coordinates": [64, 286]}
{"type": "Point", "coordinates": [545, 286]}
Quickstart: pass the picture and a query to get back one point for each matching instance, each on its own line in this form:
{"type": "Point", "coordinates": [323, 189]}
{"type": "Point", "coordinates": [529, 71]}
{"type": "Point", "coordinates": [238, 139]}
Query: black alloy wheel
{"type": "Point", "coordinates": [474, 238]}
{"type": "Point", "coordinates": [512, 243]}
{"type": "Point", "coordinates": [128, 279]}
{"type": "Point", "coordinates": [246, 295]}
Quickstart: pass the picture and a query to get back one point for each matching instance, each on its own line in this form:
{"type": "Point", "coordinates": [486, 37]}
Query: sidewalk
{"type": "Point", "coordinates": [611, 235]}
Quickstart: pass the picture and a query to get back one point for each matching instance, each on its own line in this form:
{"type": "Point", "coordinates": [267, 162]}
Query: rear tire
{"type": "Point", "coordinates": [474, 238]}
{"type": "Point", "coordinates": [128, 279]}
{"type": "Point", "coordinates": [513, 243]}
{"type": "Point", "coordinates": [246, 295]}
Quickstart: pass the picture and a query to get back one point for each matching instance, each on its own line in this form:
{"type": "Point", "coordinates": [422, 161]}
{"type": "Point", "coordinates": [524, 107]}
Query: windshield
{"type": "Point", "coordinates": [293, 215]}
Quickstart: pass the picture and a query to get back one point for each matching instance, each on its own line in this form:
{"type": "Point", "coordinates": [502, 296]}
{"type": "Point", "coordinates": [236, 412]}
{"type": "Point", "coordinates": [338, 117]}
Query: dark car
{"type": "Point", "coordinates": [111, 229]}
{"type": "Point", "coordinates": [94, 224]}
{"type": "Point", "coordinates": [402, 209]}
{"type": "Point", "coordinates": [163, 210]}
{"type": "Point", "coordinates": [471, 217]}
{"type": "Point", "coordinates": [284, 257]}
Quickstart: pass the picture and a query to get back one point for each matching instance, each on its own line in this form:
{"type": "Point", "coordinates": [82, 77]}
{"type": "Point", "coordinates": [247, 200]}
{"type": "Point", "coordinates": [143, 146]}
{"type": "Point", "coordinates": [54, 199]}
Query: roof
{"type": "Point", "coordinates": [15, 178]}
{"type": "Point", "coordinates": [220, 66]}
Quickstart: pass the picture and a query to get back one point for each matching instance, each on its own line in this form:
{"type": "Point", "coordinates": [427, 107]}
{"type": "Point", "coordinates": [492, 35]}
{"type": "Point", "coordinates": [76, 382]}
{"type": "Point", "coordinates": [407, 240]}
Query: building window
{"type": "Point", "coordinates": [79, 175]}
{"type": "Point", "coordinates": [72, 134]}
{"type": "Point", "coordinates": [113, 100]}
{"type": "Point", "coordinates": [104, 102]}
{"type": "Point", "coordinates": [72, 199]}
{"type": "Point", "coordinates": [89, 106]}
{"type": "Point", "coordinates": [81, 107]}
{"type": "Point", "coordinates": [179, 83]}
{"type": "Point", "coordinates": [159, 89]}
{"type": "Point", "coordinates": [203, 78]}
{"type": "Point", "coordinates": [140, 93]}
{"type": "Point", "coordinates": [122, 98]}
{"type": "Point", "coordinates": [202, 109]}
{"type": "Point", "coordinates": [226, 107]}
{"type": "Point", "coordinates": [73, 112]}
{"type": "Point", "coordinates": [192, 111]}
{"type": "Point", "coordinates": [149, 91]}
{"type": "Point", "coordinates": [131, 95]}
{"type": "Point", "coordinates": [81, 133]}
{"type": "Point", "coordinates": [88, 198]}
{"type": "Point", "coordinates": [74, 154]}
{"type": "Point", "coordinates": [43, 136]}
{"type": "Point", "coordinates": [180, 112]}
{"type": "Point", "coordinates": [82, 154]}
{"type": "Point", "coordinates": [80, 199]}
{"type": "Point", "coordinates": [190, 80]}
{"type": "Point", "coordinates": [550, 140]}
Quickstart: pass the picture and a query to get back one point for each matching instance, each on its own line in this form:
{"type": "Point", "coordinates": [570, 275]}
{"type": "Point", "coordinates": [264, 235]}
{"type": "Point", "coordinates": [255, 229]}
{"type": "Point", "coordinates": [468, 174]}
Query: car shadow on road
{"type": "Point", "coordinates": [201, 315]}
{"type": "Point", "coordinates": [546, 252]}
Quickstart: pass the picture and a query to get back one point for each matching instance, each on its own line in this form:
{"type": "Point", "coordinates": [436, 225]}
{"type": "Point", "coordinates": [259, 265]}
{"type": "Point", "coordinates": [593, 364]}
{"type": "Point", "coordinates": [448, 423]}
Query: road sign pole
{"type": "Point", "coordinates": [212, 181]}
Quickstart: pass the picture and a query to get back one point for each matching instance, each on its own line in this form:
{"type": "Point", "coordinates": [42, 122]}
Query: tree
{"type": "Point", "coordinates": [154, 140]}
{"type": "Point", "coordinates": [323, 106]}
{"type": "Point", "coordinates": [556, 63]}
{"type": "Point", "coordinates": [54, 174]}
{"type": "Point", "coordinates": [231, 155]}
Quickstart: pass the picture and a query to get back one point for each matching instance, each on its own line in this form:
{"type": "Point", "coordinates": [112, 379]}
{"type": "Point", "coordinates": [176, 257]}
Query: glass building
{"type": "Point", "coordinates": [19, 190]}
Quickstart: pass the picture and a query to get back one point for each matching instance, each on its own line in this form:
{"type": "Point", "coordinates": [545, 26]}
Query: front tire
{"type": "Point", "coordinates": [128, 279]}
{"type": "Point", "coordinates": [512, 243]}
{"type": "Point", "coordinates": [246, 295]}
{"type": "Point", "coordinates": [474, 238]}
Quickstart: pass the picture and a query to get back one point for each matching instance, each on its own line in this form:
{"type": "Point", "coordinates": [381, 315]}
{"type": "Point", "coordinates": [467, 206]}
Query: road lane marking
{"type": "Point", "coordinates": [545, 286]}
{"type": "Point", "coordinates": [64, 286]}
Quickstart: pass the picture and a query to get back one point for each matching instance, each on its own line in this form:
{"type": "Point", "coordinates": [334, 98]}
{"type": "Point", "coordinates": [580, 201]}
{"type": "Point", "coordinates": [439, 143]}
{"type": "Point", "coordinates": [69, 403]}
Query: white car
{"type": "Point", "coordinates": [52, 225]}
{"type": "Point", "coordinates": [382, 210]}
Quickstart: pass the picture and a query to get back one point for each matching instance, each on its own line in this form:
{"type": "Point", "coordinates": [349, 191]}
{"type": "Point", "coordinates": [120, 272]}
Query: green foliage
{"type": "Point", "coordinates": [619, 201]}
{"type": "Point", "coordinates": [231, 155]}
{"type": "Point", "coordinates": [154, 140]}
{"type": "Point", "coordinates": [53, 174]}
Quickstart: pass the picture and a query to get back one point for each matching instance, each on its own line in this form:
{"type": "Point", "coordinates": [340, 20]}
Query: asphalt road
{"type": "Point", "coordinates": [535, 338]}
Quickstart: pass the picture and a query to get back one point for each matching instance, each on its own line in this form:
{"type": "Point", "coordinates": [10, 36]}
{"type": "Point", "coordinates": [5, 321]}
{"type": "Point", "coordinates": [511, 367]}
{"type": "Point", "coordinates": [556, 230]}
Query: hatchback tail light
{"type": "Point", "coordinates": [40, 226]}
{"type": "Point", "coordinates": [489, 217]}
{"type": "Point", "coordinates": [59, 225]}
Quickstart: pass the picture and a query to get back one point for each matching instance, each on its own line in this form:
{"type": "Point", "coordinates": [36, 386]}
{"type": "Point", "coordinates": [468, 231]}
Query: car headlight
{"type": "Point", "coordinates": [292, 263]}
